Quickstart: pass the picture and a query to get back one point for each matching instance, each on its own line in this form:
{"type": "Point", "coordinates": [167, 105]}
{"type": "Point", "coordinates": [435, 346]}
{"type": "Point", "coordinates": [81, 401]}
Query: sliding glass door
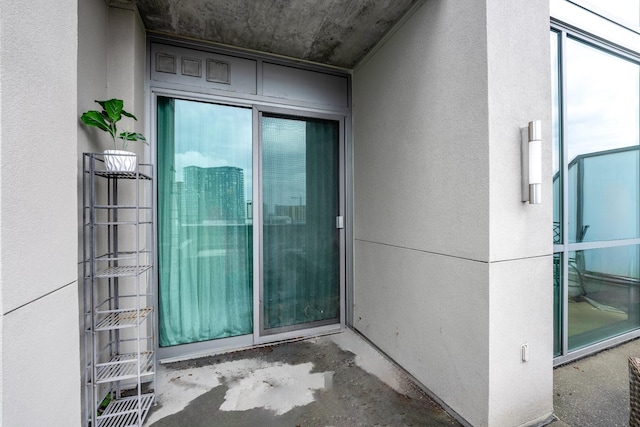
{"type": "Point", "coordinates": [206, 157]}
{"type": "Point", "coordinates": [301, 243]}
{"type": "Point", "coordinates": [205, 229]}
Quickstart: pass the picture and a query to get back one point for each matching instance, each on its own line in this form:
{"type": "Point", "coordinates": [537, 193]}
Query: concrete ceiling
{"type": "Point", "coordinates": [333, 32]}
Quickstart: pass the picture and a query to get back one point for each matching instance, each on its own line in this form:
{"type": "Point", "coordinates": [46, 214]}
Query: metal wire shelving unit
{"type": "Point", "coordinates": [119, 359]}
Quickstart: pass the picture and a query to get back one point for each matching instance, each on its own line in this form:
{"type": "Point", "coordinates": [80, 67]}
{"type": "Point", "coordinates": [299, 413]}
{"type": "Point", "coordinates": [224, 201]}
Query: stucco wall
{"type": "Point", "coordinates": [440, 231]}
{"type": "Point", "coordinates": [93, 42]}
{"type": "Point", "coordinates": [112, 62]}
{"type": "Point", "coordinates": [521, 277]}
{"type": "Point", "coordinates": [38, 226]}
{"type": "Point", "coordinates": [127, 61]}
{"type": "Point", "coordinates": [420, 123]}
{"type": "Point", "coordinates": [421, 202]}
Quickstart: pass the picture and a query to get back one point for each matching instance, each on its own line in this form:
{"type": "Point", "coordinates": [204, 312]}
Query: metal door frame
{"type": "Point", "coordinates": [200, 349]}
{"type": "Point", "coordinates": [294, 331]}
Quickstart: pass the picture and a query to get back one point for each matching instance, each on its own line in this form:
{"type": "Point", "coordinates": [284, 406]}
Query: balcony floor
{"type": "Point", "coordinates": [594, 391]}
{"type": "Point", "coordinates": [340, 380]}
{"type": "Point", "coordinates": [336, 380]}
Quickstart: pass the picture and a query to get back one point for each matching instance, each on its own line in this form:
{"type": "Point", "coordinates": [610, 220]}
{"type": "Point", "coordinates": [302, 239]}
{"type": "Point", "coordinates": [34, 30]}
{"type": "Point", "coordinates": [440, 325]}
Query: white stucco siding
{"type": "Point", "coordinates": [519, 92]}
{"type": "Point", "coordinates": [440, 232]}
{"type": "Point", "coordinates": [39, 49]}
{"type": "Point", "coordinates": [521, 393]}
{"type": "Point", "coordinates": [126, 66]}
{"type": "Point", "coordinates": [40, 381]}
{"type": "Point", "coordinates": [430, 313]}
{"type": "Point", "coordinates": [521, 276]}
{"type": "Point", "coordinates": [420, 132]}
{"type": "Point", "coordinates": [93, 44]}
{"type": "Point", "coordinates": [40, 362]}
{"type": "Point", "coordinates": [421, 186]}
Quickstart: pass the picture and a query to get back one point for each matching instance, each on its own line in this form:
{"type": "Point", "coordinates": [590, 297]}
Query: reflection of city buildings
{"type": "Point", "coordinates": [297, 213]}
{"type": "Point", "coordinates": [212, 195]}
{"type": "Point", "coordinates": [284, 214]}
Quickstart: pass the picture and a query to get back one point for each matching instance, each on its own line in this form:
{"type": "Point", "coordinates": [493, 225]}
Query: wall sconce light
{"type": "Point", "coordinates": [531, 140]}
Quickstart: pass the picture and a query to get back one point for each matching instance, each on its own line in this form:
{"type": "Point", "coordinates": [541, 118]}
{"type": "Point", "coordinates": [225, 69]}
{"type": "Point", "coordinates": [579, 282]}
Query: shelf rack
{"type": "Point", "coordinates": [119, 359]}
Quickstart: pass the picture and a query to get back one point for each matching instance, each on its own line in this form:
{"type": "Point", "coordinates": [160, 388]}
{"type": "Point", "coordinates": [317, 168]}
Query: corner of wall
{"type": "Point", "coordinates": [126, 60]}
{"type": "Point", "coordinates": [441, 104]}
{"type": "Point", "coordinates": [521, 291]}
{"type": "Point", "coordinates": [421, 187]}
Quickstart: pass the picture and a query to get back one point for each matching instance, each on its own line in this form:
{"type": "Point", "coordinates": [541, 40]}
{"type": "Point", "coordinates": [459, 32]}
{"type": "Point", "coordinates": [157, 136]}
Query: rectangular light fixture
{"type": "Point", "coordinates": [531, 142]}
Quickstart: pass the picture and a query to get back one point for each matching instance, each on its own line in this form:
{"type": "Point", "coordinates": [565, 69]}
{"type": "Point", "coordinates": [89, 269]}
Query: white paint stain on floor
{"type": "Point", "coordinates": [279, 388]}
{"type": "Point", "coordinates": [176, 388]}
{"type": "Point", "coordinates": [371, 360]}
{"type": "Point", "coordinates": [252, 383]}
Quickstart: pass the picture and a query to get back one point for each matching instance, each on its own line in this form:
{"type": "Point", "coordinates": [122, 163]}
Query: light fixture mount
{"type": "Point", "coordinates": [531, 161]}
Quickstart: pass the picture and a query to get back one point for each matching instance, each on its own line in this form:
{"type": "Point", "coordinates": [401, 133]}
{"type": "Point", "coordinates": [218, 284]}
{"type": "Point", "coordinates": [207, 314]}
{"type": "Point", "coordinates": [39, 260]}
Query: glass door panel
{"type": "Point", "coordinates": [603, 294]}
{"type": "Point", "coordinates": [603, 145]}
{"type": "Point", "coordinates": [205, 242]}
{"type": "Point", "coordinates": [300, 203]}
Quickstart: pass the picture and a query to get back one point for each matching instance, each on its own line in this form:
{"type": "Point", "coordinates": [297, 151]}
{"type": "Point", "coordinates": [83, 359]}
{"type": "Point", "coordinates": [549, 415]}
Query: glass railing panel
{"type": "Point", "coordinates": [602, 135]}
{"type": "Point", "coordinates": [557, 304]}
{"type": "Point", "coordinates": [603, 294]}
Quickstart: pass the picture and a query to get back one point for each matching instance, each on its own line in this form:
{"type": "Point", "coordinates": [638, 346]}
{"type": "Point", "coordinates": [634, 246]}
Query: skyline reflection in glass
{"type": "Point", "coordinates": [212, 136]}
{"type": "Point", "coordinates": [205, 231]}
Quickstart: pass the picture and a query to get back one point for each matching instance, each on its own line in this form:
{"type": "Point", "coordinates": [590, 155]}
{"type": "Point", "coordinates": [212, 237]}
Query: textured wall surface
{"type": "Point", "coordinates": [42, 370]}
{"type": "Point", "coordinates": [452, 271]}
{"type": "Point", "coordinates": [421, 186]}
{"type": "Point", "coordinates": [38, 225]}
{"type": "Point", "coordinates": [420, 123]}
{"type": "Point", "coordinates": [521, 283]}
{"type": "Point", "coordinates": [126, 67]}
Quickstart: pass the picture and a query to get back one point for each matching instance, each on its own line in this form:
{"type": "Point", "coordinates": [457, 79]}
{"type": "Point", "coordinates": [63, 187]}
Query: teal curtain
{"type": "Point", "coordinates": [322, 236]}
{"type": "Point", "coordinates": [301, 242]}
{"type": "Point", "coordinates": [204, 238]}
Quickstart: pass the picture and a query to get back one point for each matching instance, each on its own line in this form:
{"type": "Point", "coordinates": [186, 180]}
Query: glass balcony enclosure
{"type": "Point", "coordinates": [596, 193]}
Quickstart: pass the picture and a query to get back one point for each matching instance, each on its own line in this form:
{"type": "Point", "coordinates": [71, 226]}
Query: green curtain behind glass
{"type": "Point", "coordinates": [205, 266]}
{"type": "Point", "coordinates": [301, 252]}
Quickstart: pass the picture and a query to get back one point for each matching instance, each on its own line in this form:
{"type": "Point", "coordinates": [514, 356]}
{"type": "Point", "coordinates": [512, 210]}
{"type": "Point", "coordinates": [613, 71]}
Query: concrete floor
{"type": "Point", "coordinates": [340, 380]}
{"type": "Point", "coordinates": [336, 380]}
{"type": "Point", "coordinates": [594, 391]}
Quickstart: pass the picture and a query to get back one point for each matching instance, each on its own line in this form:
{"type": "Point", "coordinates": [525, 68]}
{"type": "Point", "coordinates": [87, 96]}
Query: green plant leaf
{"type": "Point", "coordinates": [124, 113]}
{"type": "Point", "coordinates": [132, 136]}
{"type": "Point", "coordinates": [94, 118]}
{"type": "Point", "coordinates": [112, 112]}
{"type": "Point", "coordinates": [113, 108]}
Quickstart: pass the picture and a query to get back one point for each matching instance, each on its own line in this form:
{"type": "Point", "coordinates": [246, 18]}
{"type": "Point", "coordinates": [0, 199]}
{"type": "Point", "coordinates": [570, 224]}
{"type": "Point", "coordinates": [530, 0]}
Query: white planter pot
{"type": "Point", "coordinates": [120, 161]}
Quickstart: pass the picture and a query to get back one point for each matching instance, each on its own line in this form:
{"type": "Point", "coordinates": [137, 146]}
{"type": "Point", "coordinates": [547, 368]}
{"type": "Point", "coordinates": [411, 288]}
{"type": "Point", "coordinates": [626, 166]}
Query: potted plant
{"type": "Point", "coordinates": [107, 119]}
